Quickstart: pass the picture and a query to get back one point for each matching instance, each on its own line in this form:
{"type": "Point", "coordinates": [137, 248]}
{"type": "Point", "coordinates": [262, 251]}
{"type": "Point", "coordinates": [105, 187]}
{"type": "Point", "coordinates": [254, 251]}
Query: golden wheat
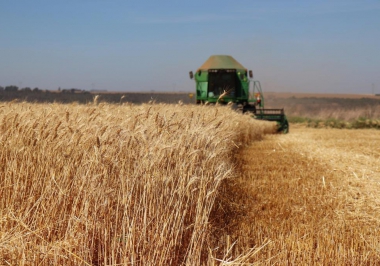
{"type": "Point", "coordinates": [104, 184]}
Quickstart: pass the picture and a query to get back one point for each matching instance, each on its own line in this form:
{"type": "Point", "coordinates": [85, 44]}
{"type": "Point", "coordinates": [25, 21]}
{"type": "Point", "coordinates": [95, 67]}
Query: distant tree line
{"type": "Point", "coordinates": [28, 89]}
{"type": "Point", "coordinates": [73, 90]}
{"type": "Point", "coordinates": [15, 88]}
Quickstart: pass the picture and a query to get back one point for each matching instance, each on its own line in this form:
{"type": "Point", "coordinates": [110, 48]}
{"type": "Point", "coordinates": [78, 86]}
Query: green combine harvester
{"type": "Point", "coordinates": [222, 79]}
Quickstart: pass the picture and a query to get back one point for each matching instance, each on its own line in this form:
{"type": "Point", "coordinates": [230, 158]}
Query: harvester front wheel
{"type": "Point", "coordinates": [285, 127]}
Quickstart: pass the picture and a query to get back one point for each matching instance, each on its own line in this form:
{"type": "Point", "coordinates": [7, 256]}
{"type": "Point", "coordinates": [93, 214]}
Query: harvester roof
{"type": "Point", "coordinates": [221, 62]}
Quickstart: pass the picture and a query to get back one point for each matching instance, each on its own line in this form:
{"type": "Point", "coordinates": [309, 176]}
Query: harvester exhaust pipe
{"type": "Point", "coordinates": [250, 74]}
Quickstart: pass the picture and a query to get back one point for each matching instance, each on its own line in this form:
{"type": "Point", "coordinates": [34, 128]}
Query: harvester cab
{"type": "Point", "coordinates": [222, 79]}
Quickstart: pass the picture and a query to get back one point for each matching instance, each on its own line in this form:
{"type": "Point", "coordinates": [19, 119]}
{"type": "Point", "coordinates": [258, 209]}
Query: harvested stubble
{"type": "Point", "coordinates": [311, 197]}
{"type": "Point", "coordinates": [109, 184]}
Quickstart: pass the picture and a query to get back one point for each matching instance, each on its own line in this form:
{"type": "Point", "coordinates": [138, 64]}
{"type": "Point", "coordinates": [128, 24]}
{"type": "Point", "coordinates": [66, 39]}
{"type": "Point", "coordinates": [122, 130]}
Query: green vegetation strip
{"type": "Point", "coordinates": [359, 123]}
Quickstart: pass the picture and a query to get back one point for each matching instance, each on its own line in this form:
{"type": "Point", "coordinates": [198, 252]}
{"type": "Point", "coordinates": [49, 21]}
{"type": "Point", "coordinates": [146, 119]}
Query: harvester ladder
{"type": "Point", "coordinates": [256, 89]}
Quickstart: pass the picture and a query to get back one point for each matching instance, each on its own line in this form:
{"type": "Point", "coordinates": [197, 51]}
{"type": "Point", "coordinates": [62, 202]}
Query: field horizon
{"type": "Point", "coordinates": [145, 96]}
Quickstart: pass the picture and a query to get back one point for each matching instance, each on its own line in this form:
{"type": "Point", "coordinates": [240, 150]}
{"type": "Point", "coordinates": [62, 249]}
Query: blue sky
{"type": "Point", "coordinates": [291, 46]}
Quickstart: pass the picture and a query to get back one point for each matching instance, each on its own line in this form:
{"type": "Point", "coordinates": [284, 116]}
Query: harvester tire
{"type": "Point", "coordinates": [285, 127]}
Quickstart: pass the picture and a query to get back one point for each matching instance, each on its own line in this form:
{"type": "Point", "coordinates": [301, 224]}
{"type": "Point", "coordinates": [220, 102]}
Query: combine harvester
{"type": "Point", "coordinates": [222, 79]}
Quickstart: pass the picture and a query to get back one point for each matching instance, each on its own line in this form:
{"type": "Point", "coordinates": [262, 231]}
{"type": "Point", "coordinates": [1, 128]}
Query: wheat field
{"type": "Point", "coordinates": [156, 184]}
{"type": "Point", "coordinates": [104, 184]}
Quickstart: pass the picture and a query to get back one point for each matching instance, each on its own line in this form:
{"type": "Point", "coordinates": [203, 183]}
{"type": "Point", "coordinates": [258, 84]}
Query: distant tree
{"type": "Point", "coordinates": [11, 88]}
{"type": "Point", "coordinates": [59, 88]}
{"type": "Point", "coordinates": [26, 89]}
{"type": "Point", "coordinates": [1, 88]}
{"type": "Point", "coordinates": [36, 89]}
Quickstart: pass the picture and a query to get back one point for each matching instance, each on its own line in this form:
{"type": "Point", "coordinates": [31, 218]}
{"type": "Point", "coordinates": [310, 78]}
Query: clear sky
{"type": "Point", "coordinates": [294, 46]}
